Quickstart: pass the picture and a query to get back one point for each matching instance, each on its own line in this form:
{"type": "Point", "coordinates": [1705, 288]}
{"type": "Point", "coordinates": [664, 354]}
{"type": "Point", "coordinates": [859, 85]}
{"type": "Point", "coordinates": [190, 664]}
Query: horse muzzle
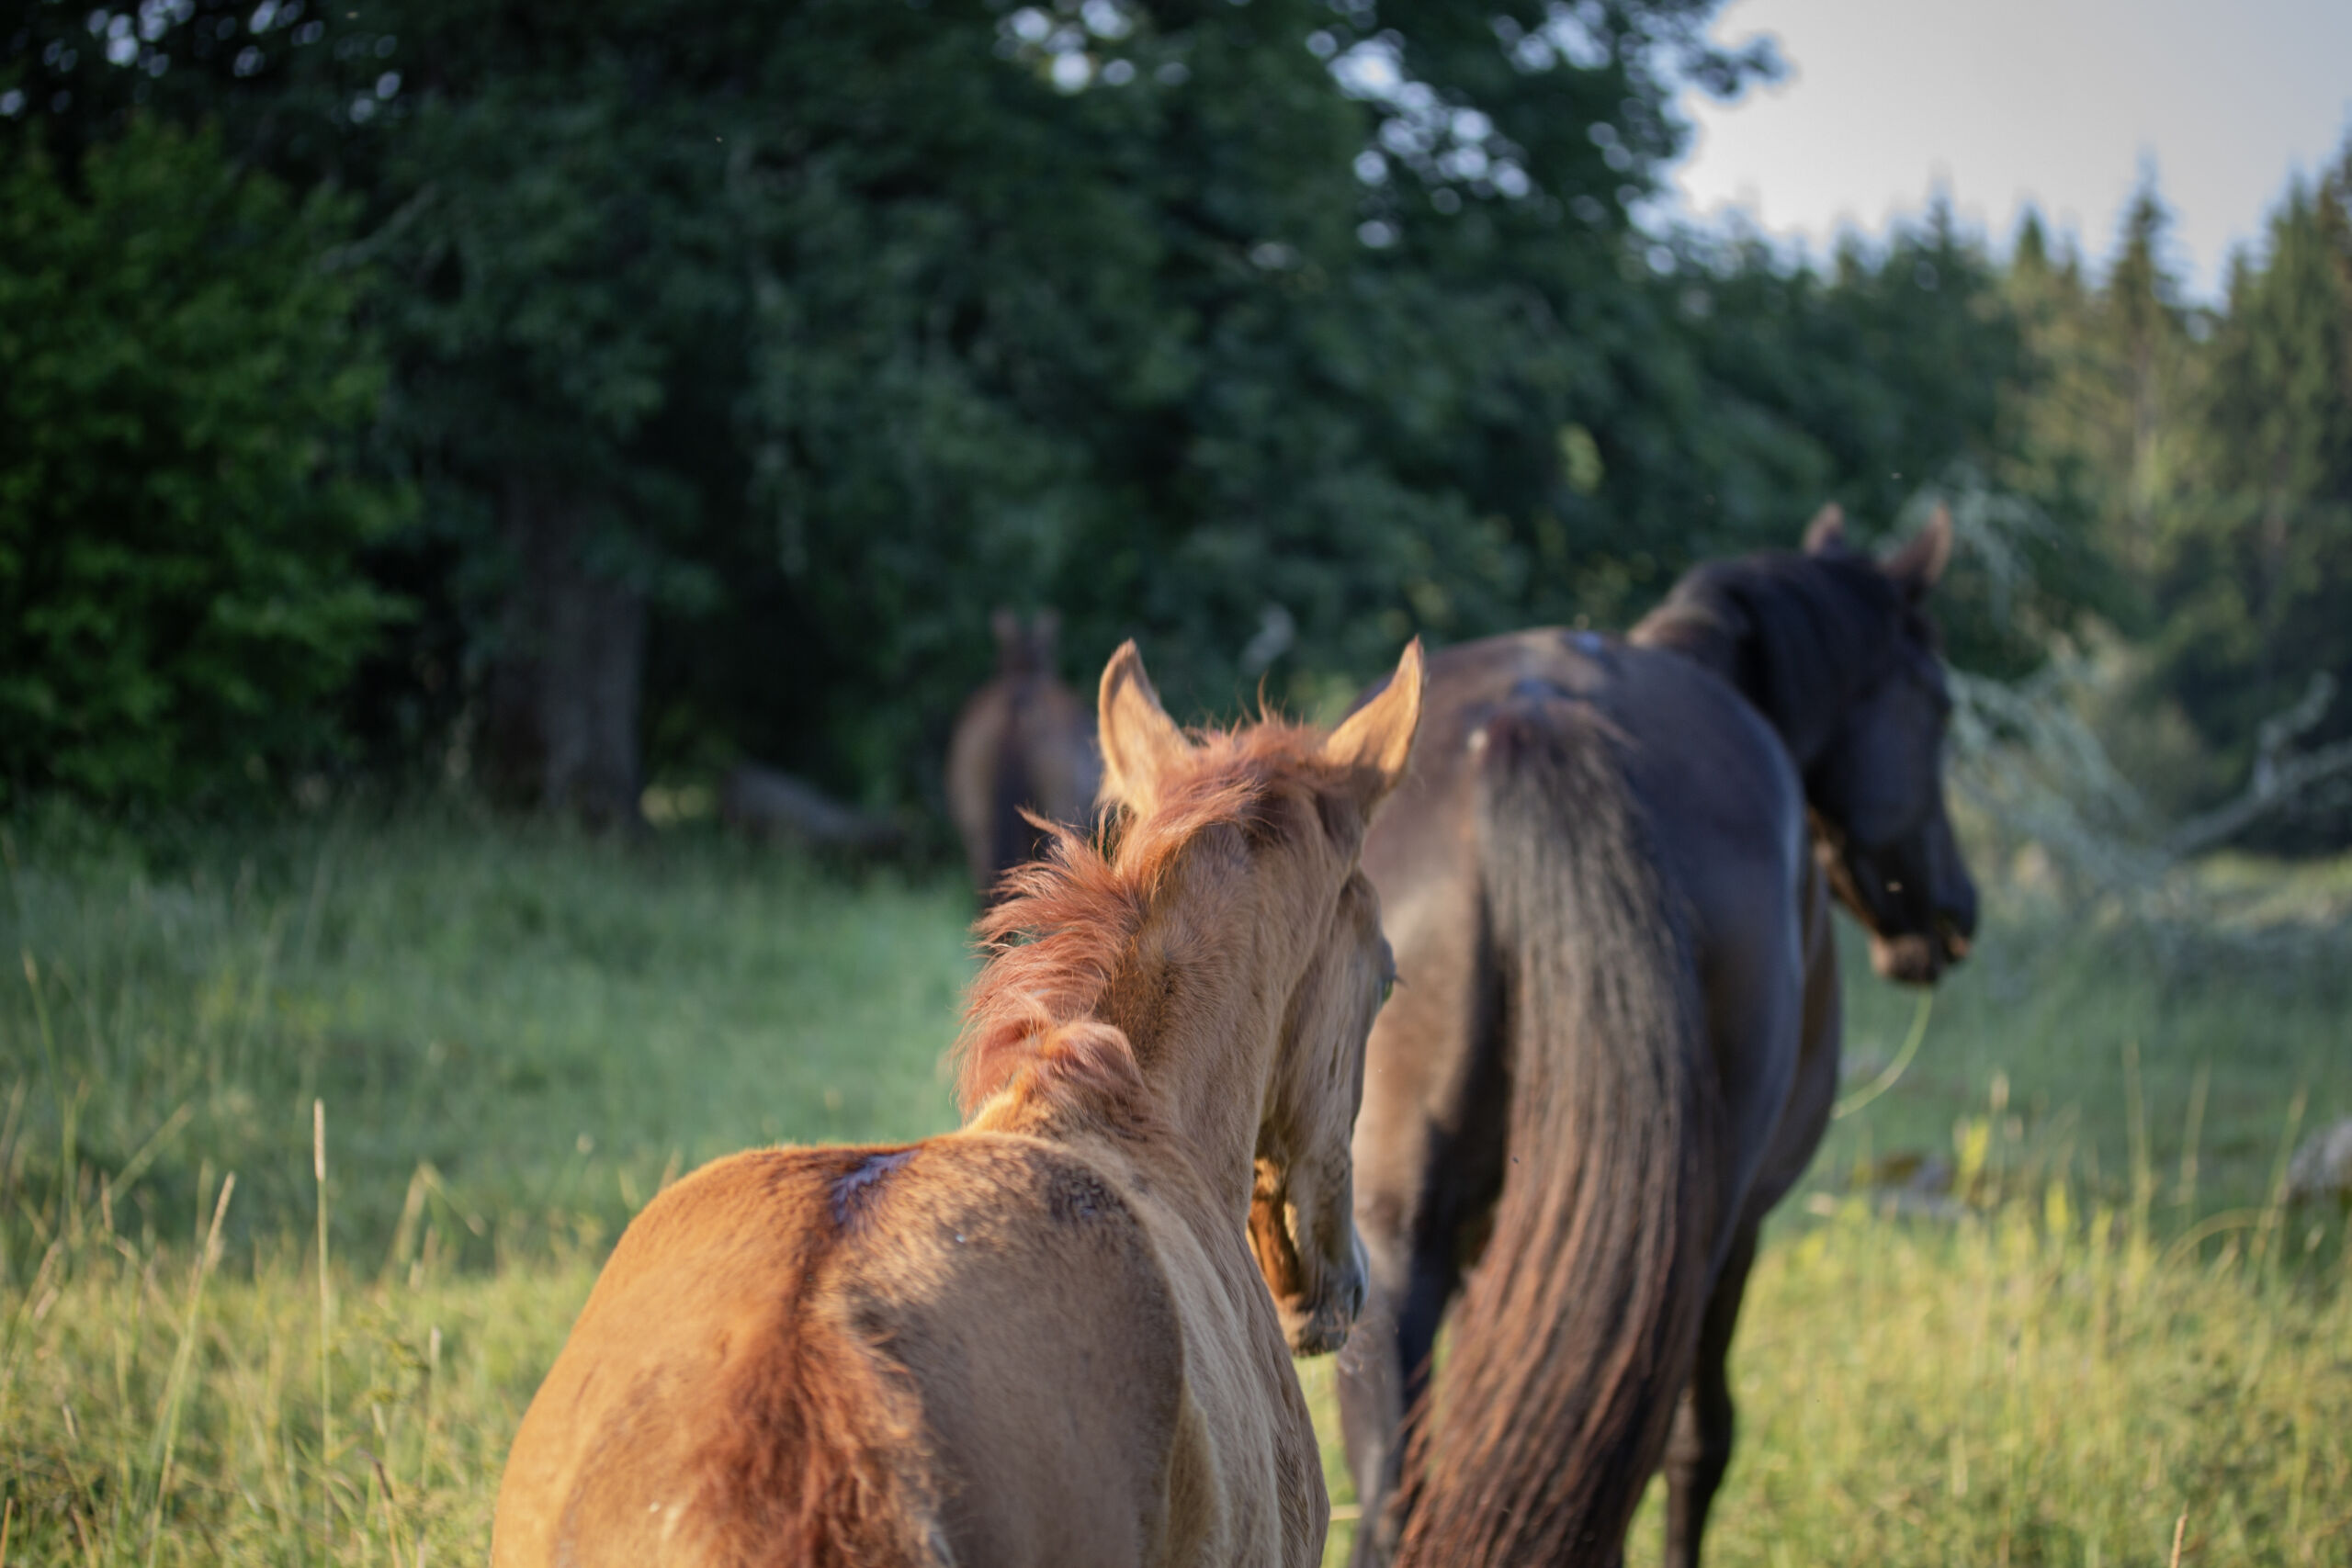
{"type": "Point", "coordinates": [1318, 1296]}
{"type": "Point", "coordinates": [1920, 958]}
{"type": "Point", "coordinates": [1318, 1321]}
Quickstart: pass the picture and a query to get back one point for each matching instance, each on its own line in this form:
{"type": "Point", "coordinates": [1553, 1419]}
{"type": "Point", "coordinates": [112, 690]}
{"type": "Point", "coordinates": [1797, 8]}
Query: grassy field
{"type": "Point", "coordinates": [2097, 1318]}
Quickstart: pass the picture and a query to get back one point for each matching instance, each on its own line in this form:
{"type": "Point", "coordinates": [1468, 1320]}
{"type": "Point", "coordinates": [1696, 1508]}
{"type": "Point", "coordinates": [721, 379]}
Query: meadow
{"type": "Point", "coordinates": [312, 1138]}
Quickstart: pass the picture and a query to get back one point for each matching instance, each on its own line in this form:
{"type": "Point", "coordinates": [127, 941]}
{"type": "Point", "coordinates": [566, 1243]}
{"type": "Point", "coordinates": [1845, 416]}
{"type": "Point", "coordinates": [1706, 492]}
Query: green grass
{"type": "Point", "coordinates": [515, 1035]}
{"type": "Point", "coordinates": [540, 1025]}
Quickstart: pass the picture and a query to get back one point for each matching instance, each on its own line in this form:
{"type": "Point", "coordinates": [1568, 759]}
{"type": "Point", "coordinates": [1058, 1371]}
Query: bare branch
{"type": "Point", "coordinates": [2281, 783]}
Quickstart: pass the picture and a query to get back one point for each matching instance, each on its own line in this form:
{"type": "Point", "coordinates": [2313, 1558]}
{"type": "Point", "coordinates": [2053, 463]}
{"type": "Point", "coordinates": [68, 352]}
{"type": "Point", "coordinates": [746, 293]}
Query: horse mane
{"type": "Point", "coordinates": [1798, 635]}
{"type": "Point", "coordinates": [1066, 923]}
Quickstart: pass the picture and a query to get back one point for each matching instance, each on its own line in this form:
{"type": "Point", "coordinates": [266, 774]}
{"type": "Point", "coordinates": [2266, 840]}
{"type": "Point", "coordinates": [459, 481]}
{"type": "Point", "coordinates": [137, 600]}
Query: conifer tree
{"type": "Point", "coordinates": [2257, 571]}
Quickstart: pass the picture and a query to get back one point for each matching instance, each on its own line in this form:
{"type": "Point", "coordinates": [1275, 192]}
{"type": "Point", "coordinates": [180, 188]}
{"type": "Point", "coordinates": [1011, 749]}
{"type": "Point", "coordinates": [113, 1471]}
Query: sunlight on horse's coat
{"type": "Point", "coordinates": [1043, 1339]}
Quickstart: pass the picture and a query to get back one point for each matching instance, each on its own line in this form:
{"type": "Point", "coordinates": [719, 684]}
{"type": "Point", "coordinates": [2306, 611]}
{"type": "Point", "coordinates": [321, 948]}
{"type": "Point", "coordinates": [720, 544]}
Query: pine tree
{"type": "Point", "coordinates": [2140, 345]}
{"type": "Point", "coordinates": [2257, 570]}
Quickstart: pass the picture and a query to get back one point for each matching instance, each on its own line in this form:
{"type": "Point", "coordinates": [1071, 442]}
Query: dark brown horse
{"type": "Point", "coordinates": [1022, 743]}
{"type": "Point", "coordinates": [1615, 1043]}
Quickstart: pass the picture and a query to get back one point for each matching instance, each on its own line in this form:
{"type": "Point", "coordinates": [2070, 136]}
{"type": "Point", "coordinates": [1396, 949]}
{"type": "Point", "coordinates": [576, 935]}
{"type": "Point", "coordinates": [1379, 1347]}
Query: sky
{"type": "Point", "coordinates": [2059, 103]}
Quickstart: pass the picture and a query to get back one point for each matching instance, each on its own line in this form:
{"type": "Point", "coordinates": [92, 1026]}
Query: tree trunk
{"type": "Point", "coordinates": [561, 732]}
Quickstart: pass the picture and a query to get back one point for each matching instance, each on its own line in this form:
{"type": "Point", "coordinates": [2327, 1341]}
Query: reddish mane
{"type": "Point", "coordinates": [1068, 922]}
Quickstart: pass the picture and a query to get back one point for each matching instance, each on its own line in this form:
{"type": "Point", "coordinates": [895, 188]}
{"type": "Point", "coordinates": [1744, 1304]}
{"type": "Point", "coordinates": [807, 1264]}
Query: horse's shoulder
{"type": "Point", "coordinates": [1014, 1281]}
{"type": "Point", "coordinates": [1024, 1227]}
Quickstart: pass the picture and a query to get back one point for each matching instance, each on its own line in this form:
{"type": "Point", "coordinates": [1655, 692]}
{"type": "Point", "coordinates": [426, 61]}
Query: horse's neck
{"type": "Point", "coordinates": [1736, 651]}
{"type": "Point", "coordinates": [1191, 1140]}
{"type": "Point", "coordinates": [1205, 1044]}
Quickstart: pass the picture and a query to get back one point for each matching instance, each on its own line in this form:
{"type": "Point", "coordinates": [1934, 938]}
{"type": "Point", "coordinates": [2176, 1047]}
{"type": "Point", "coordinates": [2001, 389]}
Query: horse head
{"type": "Point", "coordinates": [1875, 787]}
{"type": "Point", "coordinates": [1304, 844]}
{"type": "Point", "coordinates": [1028, 650]}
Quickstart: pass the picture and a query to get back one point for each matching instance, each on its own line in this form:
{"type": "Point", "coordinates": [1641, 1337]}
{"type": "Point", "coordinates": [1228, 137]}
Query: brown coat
{"type": "Point", "coordinates": [1043, 1339]}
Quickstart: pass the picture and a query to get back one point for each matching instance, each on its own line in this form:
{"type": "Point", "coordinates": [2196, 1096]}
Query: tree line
{"type": "Point", "coordinates": [573, 397]}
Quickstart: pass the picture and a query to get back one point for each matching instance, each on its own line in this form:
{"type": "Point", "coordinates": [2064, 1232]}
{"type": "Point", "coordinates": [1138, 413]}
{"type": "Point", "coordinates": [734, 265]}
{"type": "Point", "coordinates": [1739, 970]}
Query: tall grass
{"type": "Point", "coordinates": [142, 1424]}
{"type": "Point", "coordinates": [518, 1034]}
{"type": "Point", "coordinates": [310, 1144]}
{"type": "Point", "coordinates": [2037, 1376]}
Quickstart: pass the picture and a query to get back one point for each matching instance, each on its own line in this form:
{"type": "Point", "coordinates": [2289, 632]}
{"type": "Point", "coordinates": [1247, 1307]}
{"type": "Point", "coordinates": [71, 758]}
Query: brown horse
{"type": "Point", "coordinates": [1047, 1338]}
{"type": "Point", "coordinates": [1022, 744]}
{"type": "Point", "coordinates": [1617, 1043]}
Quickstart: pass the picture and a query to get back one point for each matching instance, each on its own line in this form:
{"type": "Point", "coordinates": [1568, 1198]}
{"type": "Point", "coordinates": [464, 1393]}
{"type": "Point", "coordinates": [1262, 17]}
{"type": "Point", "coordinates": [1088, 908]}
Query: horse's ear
{"type": "Point", "coordinates": [1140, 743]}
{"type": "Point", "coordinates": [1375, 742]}
{"type": "Point", "coordinates": [1045, 630]}
{"type": "Point", "coordinates": [1919, 565]}
{"type": "Point", "coordinates": [1009, 638]}
{"type": "Point", "coordinates": [1825, 534]}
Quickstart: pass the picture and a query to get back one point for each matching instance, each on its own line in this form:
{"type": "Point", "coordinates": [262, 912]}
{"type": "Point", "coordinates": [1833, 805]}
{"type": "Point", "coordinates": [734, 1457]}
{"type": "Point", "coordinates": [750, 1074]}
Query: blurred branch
{"type": "Point", "coordinates": [2026, 756]}
{"type": "Point", "coordinates": [2278, 778]}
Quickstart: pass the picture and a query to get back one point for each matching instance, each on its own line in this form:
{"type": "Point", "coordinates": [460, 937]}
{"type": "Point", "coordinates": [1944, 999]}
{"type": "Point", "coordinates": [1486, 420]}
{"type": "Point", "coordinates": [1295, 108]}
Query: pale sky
{"type": "Point", "coordinates": [2001, 102]}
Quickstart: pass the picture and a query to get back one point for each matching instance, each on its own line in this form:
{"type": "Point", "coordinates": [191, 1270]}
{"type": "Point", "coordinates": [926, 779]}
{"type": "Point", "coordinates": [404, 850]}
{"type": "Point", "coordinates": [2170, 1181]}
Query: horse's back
{"type": "Point", "coordinates": [1726, 829]}
{"type": "Point", "coordinates": [958, 1352]}
{"type": "Point", "coordinates": [1704, 763]}
{"type": "Point", "coordinates": [1023, 1295]}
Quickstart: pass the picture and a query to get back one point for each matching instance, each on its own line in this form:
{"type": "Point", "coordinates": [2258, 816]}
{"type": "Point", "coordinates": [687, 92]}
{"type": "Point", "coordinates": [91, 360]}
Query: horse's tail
{"type": "Point", "coordinates": [1577, 1332]}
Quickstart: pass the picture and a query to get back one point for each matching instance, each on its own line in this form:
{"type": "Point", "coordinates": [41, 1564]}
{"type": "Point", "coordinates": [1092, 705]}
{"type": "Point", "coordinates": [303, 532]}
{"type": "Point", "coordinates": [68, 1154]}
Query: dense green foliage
{"type": "Point", "coordinates": [811, 337]}
{"type": "Point", "coordinates": [741, 361]}
{"type": "Point", "coordinates": [178, 584]}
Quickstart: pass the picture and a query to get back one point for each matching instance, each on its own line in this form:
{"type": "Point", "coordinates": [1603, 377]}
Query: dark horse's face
{"type": "Point", "coordinates": [1881, 830]}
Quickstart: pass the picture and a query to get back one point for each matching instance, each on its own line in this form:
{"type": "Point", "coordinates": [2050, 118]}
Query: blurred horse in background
{"type": "Point", "coordinates": [1024, 743]}
{"type": "Point", "coordinates": [1607, 881]}
{"type": "Point", "coordinates": [1061, 1335]}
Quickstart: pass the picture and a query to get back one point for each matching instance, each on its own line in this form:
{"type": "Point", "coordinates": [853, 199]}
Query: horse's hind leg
{"type": "Point", "coordinates": [1383, 1371]}
{"type": "Point", "coordinates": [1699, 1451]}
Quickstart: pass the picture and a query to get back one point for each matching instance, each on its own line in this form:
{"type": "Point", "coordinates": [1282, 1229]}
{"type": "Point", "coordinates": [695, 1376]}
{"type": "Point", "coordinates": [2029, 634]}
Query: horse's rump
{"type": "Point", "coordinates": [819, 1455]}
{"type": "Point", "coordinates": [1575, 1331]}
{"type": "Point", "coordinates": [961, 1350]}
{"type": "Point", "coordinates": [1022, 743]}
{"type": "Point", "coordinates": [738, 1417]}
